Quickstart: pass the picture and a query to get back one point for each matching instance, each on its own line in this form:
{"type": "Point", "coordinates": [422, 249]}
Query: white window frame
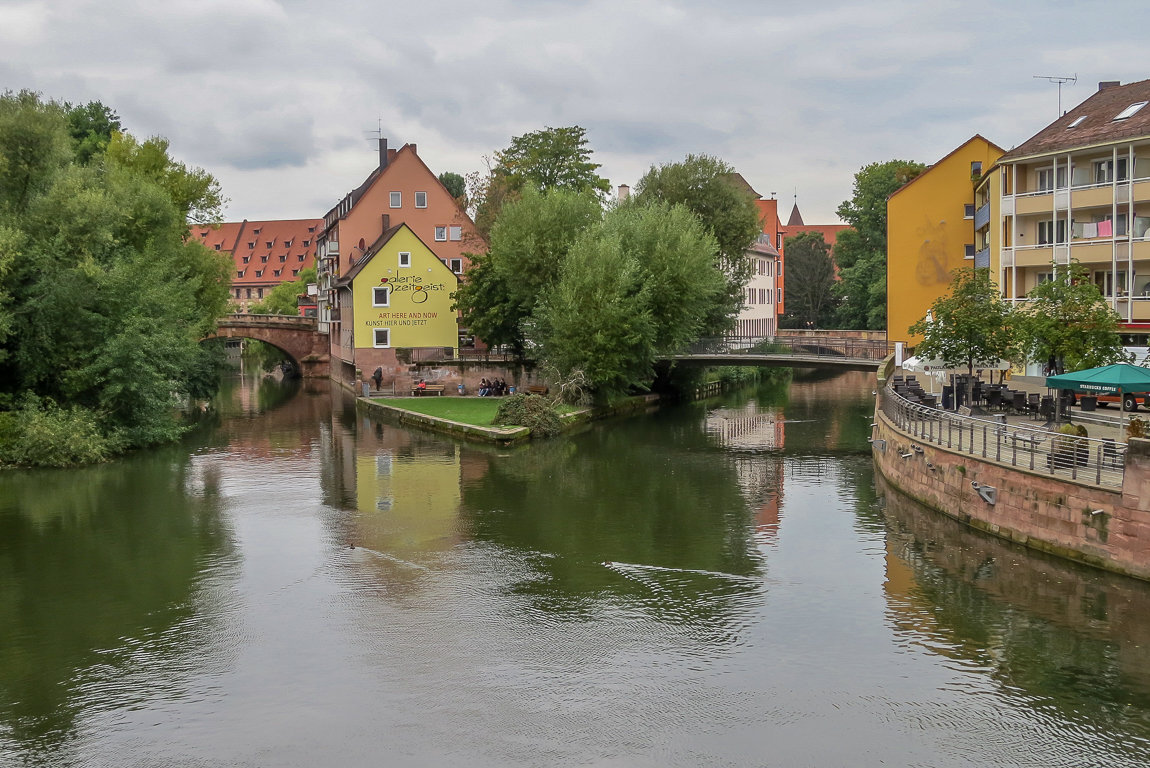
{"type": "Point", "coordinates": [405, 259]}
{"type": "Point", "coordinates": [456, 266]}
{"type": "Point", "coordinates": [1130, 111]}
{"type": "Point", "coordinates": [441, 234]}
{"type": "Point", "coordinates": [375, 293]}
{"type": "Point", "coordinates": [420, 199]}
{"type": "Point", "coordinates": [395, 199]}
{"type": "Point", "coordinates": [455, 233]}
{"type": "Point", "coordinates": [375, 340]}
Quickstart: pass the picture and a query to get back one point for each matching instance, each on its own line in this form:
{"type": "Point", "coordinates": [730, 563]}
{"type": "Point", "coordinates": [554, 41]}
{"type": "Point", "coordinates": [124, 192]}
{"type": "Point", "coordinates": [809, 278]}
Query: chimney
{"type": "Point", "coordinates": [624, 193]}
{"type": "Point", "coordinates": [413, 149]}
{"type": "Point", "coordinates": [386, 221]}
{"type": "Point", "coordinates": [383, 153]}
{"type": "Point", "coordinates": [1102, 86]}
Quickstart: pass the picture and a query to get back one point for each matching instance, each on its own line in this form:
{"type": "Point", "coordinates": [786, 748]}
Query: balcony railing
{"type": "Point", "coordinates": [982, 217]}
{"type": "Point", "coordinates": [1082, 459]}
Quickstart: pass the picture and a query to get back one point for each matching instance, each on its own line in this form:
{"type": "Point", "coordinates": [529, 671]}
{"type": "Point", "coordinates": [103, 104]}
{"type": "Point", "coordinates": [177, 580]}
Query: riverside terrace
{"type": "Point", "coordinates": [1011, 431]}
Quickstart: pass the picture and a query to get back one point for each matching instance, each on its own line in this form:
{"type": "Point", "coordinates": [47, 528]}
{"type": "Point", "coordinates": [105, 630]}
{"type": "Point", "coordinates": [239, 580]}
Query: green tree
{"type": "Point", "coordinates": [633, 290]}
{"type": "Point", "coordinates": [809, 282]}
{"type": "Point", "coordinates": [284, 298]}
{"type": "Point", "coordinates": [528, 245]}
{"type": "Point", "coordinates": [91, 126]}
{"type": "Point", "coordinates": [703, 184]}
{"type": "Point", "coordinates": [1068, 321]}
{"type": "Point", "coordinates": [102, 298]}
{"type": "Point", "coordinates": [860, 252]}
{"type": "Point", "coordinates": [194, 191]}
{"type": "Point", "coordinates": [455, 184]}
{"type": "Point", "coordinates": [550, 159]}
{"type": "Point", "coordinates": [971, 326]}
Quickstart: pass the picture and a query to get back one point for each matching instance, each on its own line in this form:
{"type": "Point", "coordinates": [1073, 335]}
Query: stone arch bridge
{"type": "Point", "coordinates": [298, 337]}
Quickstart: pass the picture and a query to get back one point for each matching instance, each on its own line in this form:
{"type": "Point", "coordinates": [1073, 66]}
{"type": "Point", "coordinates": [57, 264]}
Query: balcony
{"type": "Point", "coordinates": [1093, 197]}
{"type": "Point", "coordinates": [982, 217]}
{"type": "Point", "coordinates": [982, 258]}
{"type": "Point", "coordinates": [1042, 202]}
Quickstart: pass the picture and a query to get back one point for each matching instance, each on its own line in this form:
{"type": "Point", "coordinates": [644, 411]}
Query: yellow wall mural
{"type": "Point", "coordinates": [403, 297]}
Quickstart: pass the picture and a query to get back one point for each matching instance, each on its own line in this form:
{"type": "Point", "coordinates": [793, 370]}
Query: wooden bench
{"type": "Point", "coordinates": [430, 389]}
{"type": "Point", "coordinates": [535, 389]}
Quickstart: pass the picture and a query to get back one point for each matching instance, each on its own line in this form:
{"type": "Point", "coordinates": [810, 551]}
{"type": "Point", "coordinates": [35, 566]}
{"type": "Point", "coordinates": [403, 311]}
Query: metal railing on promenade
{"type": "Point", "coordinates": [446, 354]}
{"type": "Point", "coordinates": [1084, 459]}
{"type": "Point", "coordinates": [830, 347]}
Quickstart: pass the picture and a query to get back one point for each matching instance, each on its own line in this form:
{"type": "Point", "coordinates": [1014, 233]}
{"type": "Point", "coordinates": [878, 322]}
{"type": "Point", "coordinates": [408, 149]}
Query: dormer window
{"type": "Point", "coordinates": [256, 231]}
{"type": "Point", "coordinates": [1077, 122]}
{"type": "Point", "coordinates": [239, 273]}
{"type": "Point", "coordinates": [217, 246]}
{"type": "Point", "coordinates": [246, 259]}
{"type": "Point", "coordinates": [264, 258]}
{"type": "Point", "coordinates": [251, 245]}
{"type": "Point", "coordinates": [1130, 111]}
{"type": "Point", "coordinates": [270, 243]}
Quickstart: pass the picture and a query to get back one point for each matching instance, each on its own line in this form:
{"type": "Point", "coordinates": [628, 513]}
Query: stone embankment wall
{"type": "Point", "coordinates": [1106, 528]}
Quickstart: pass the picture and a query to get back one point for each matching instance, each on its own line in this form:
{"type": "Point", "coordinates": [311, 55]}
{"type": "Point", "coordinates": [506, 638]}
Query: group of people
{"type": "Point", "coordinates": [493, 388]}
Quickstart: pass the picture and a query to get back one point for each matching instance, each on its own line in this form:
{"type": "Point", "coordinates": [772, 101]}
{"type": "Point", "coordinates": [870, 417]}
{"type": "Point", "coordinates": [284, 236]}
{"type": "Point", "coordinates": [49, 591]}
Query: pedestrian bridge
{"type": "Point", "coordinates": [824, 351]}
{"type": "Point", "coordinates": [297, 337]}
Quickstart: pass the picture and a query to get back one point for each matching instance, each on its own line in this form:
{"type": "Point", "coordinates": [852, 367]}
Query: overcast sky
{"type": "Point", "coordinates": [279, 99]}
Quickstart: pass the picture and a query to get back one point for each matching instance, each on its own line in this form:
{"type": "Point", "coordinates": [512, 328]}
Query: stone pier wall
{"type": "Point", "coordinates": [1109, 529]}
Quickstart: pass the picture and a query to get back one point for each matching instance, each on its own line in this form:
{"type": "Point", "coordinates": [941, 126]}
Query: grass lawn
{"type": "Point", "coordinates": [479, 411]}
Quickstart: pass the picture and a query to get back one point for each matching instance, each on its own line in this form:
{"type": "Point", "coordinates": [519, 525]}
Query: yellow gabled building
{"type": "Point", "coordinates": [399, 294]}
{"type": "Point", "coordinates": [932, 223]}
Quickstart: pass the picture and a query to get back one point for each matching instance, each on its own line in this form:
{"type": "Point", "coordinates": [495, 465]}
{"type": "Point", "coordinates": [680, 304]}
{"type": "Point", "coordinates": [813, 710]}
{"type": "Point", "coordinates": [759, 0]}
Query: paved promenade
{"type": "Point", "coordinates": [1101, 423]}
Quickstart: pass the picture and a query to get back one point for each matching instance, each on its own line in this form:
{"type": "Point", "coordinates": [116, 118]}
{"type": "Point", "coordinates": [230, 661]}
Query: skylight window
{"type": "Point", "coordinates": [1130, 110]}
{"type": "Point", "coordinates": [1077, 121]}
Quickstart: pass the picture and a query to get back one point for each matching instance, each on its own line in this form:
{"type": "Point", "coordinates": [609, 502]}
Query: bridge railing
{"type": "Point", "coordinates": [247, 319]}
{"type": "Point", "coordinates": [1085, 459]}
{"type": "Point", "coordinates": [823, 346]}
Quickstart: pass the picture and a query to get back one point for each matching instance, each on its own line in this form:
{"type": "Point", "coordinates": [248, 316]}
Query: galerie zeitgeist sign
{"type": "Point", "coordinates": [418, 300]}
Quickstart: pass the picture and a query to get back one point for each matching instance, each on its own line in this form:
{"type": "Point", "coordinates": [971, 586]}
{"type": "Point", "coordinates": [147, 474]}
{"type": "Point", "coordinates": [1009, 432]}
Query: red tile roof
{"type": "Point", "coordinates": [1097, 124]}
{"type": "Point", "coordinates": [259, 248]}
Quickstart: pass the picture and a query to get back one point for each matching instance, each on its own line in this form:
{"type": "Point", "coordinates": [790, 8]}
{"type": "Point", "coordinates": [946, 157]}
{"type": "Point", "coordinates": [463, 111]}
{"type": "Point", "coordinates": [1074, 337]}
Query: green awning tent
{"type": "Point", "coordinates": [1114, 379]}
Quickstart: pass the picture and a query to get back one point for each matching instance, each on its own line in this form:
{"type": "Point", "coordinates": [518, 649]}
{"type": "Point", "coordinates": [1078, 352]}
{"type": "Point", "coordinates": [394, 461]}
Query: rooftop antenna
{"type": "Point", "coordinates": [375, 134]}
{"type": "Point", "coordinates": [1060, 80]}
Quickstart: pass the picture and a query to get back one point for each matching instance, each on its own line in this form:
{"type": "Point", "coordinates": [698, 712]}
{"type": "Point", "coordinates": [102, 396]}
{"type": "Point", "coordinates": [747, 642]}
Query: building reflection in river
{"type": "Point", "coordinates": [1070, 638]}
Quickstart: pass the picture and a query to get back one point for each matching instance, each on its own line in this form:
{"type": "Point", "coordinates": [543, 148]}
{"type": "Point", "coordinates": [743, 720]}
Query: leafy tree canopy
{"type": "Point", "coordinates": [971, 326]}
{"type": "Point", "coordinates": [860, 252]}
{"type": "Point", "coordinates": [284, 298]}
{"type": "Point", "coordinates": [636, 288]}
{"type": "Point", "coordinates": [528, 246]}
{"type": "Point", "coordinates": [703, 184]}
{"type": "Point", "coordinates": [91, 126]}
{"type": "Point", "coordinates": [553, 158]}
{"type": "Point", "coordinates": [1067, 319]}
{"type": "Point", "coordinates": [102, 298]}
{"type": "Point", "coordinates": [455, 184]}
{"type": "Point", "coordinates": [809, 283]}
{"type": "Point", "coordinates": [545, 160]}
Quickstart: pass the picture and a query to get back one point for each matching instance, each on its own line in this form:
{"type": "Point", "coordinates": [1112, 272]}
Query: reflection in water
{"type": "Point", "coordinates": [1075, 642]}
{"type": "Point", "coordinates": [99, 566]}
{"type": "Point", "coordinates": [714, 584]}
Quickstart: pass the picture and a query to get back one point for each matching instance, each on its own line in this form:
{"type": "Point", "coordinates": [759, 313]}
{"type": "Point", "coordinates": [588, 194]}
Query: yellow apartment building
{"type": "Point", "coordinates": [1079, 190]}
{"type": "Point", "coordinates": [931, 231]}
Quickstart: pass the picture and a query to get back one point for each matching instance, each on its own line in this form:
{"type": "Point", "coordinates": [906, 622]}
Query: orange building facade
{"type": "Point", "coordinates": [400, 190]}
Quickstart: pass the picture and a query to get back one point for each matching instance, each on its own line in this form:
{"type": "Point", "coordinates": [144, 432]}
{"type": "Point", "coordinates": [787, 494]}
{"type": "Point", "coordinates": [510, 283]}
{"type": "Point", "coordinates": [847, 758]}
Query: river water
{"type": "Point", "coordinates": [715, 584]}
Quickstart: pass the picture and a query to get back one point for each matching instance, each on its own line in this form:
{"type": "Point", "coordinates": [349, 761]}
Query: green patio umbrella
{"type": "Point", "coordinates": [1105, 380]}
